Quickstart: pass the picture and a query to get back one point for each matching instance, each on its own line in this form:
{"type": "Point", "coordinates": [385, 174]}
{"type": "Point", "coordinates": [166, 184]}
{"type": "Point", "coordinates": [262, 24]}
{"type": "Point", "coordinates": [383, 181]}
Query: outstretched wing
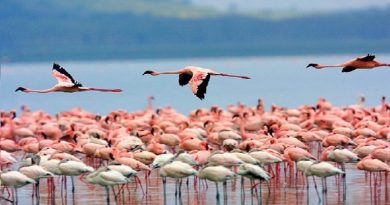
{"type": "Point", "coordinates": [199, 82]}
{"type": "Point", "coordinates": [366, 58]}
{"type": "Point", "coordinates": [184, 78]}
{"type": "Point", "coordinates": [348, 69]}
{"type": "Point", "coordinates": [63, 76]}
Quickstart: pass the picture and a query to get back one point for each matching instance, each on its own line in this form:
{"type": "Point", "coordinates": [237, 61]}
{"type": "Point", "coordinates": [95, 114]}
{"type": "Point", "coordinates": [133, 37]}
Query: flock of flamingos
{"type": "Point", "coordinates": [215, 145]}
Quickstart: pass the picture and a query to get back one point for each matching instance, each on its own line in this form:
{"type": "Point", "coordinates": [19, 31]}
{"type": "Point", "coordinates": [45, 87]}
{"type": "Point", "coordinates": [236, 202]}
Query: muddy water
{"type": "Point", "coordinates": [285, 189]}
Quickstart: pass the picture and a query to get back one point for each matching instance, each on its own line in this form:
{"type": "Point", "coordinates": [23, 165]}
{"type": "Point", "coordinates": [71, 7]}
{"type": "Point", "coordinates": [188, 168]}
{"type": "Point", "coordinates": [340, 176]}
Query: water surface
{"type": "Point", "coordinates": [284, 81]}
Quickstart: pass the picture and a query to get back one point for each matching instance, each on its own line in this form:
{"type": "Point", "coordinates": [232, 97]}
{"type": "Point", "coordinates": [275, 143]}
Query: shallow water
{"type": "Point", "coordinates": [282, 191]}
{"type": "Point", "coordinates": [283, 80]}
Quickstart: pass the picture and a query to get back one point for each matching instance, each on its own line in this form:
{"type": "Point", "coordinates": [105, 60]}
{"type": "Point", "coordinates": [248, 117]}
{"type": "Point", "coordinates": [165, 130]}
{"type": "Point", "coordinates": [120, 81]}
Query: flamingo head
{"type": "Point", "coordinates": [20, 89]}
{"type": "Point", "coordinates": [150, 72]}
{"type": "Point", "coordinates": [236, 115]}
{"type": "Point", "coordinates": [204, 145]}
{"type": "Point", "coordinates": [312, 65]}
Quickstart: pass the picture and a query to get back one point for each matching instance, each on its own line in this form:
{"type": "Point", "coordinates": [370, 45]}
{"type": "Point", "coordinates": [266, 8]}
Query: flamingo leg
{"type": "Point", "coordinates": [315, 186]}
{"type": "Point", "coordinates": [216, 185]}
{"type": "Point", "coordinates": [225, 191]}
{"type": "Point", "coordinates": [107, 195]}
{"type": "Point", "coordinates": [176, 184]}
{"type": "Point", "coordinates": [37, 195]}
{"type": "Point", "coordinates": [164, 180]}
{"type": "Point", "coordinates": [180, 182]}
{"type": "Point", "coordinates": [16, 196]}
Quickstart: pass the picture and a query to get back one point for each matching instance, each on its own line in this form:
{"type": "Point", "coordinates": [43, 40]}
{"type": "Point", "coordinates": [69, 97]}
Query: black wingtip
{"type": "Point", "coordinates": [20, 89]}
{"type": "Point", "coordinates": [201, 97]}
{"type": "Point", "coordinates": [56, 65]}
{"type": "Point", "coordinates": [148, 72]}
{"type": "Point", "coordinates": [312, 65]}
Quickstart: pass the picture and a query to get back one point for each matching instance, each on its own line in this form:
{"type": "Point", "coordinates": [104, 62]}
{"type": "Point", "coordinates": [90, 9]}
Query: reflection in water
{"type": "Point", "coordinates": [283, 188]}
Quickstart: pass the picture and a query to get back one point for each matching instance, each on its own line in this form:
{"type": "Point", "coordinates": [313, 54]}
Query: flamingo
{"type": "Point", "coordinates": [16, 180]}
{"type": "Point", "coordinates": [161, 160]}
{"type": "Point", "coordinates": [252, 172]}
{"type": "Point", "coordinates": [177, 170]}
{"type": "Point", "coordinates": [225, 159]}
{"type": "Point", "coordinates": [73, 168]}
{"type": "Point", "coordinates": [66, 83]}
{"type": "Point", "coordinates": [197, 77]}
{"type": "Point", "coordinates": [123, 169]}
{"type": "Point", "coordinates": [216, 174]}
{"type": "Point", "coordinates": [323, 170]}
{"type": "Point", "coordinates": [106, 177]}
{"type": "Point", "coordinates": [35, 172]}
{"type": "Point", "coordinates": [362, 62]}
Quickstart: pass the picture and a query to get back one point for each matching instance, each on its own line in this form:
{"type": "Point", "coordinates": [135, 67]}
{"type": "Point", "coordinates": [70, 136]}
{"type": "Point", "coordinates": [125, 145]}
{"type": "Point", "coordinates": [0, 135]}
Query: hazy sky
{"type": "Point", "coordinates": [297, 5]}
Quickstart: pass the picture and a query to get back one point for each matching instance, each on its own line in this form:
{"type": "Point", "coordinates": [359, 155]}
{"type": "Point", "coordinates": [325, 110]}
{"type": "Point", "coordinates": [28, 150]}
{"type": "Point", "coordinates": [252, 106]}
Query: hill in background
{"type": "Point", "coordinates": [37, 30]}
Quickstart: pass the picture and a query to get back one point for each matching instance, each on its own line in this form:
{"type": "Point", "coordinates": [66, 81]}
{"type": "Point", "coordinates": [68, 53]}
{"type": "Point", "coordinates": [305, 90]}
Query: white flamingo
{"type": "Point", "coordinates": [176, 170]}
{"type": "Point", "coordinates": [107, 178]}
{"type": "Point", "coordinates": [35, 172]}
{"type": "Point", "coordinates": [323, 170]}
{"type": "Point", "coordinates": [16, 180]}
{"type": "Point", "coordinates": [73, 168]}
{"type": "Point", "coordinates": [123, 169]}
{"type": "Point", "coordinates": [253, 172]}
{"type": "Point", "coordinates": [197, 77]}
{"type": "Point", "coordinates": [216, 174]}
{"type": "Point", "coordinates": [161, 159]}
{"type": "Point", "coordinates": [66, 83]}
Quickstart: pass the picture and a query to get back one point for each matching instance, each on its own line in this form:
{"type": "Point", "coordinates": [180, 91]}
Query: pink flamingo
{"type": "Point", "coordinates": [66, 83]}
{"type": "Point", "coordinates": [362, 62]}
{"type": "Point", "coordinates": [197, 77]}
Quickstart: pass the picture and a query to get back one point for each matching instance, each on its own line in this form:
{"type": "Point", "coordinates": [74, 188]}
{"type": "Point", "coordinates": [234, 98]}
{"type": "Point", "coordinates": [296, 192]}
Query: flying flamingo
{"type": "Point", "coordinates": [197, 77]}
{"type": "Point", "coordinates": [362, 62]}
{"type": "Point", "coordinates": [66, 83]}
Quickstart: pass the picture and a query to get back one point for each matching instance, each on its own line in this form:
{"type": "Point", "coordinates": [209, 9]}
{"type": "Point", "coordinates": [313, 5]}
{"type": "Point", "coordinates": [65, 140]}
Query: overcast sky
{"type": "Point", "coordinates": [295, 5]}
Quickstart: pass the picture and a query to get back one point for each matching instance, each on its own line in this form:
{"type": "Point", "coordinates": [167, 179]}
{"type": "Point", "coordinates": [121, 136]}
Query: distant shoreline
{"type": "Point", "coordinates": [196, 51]}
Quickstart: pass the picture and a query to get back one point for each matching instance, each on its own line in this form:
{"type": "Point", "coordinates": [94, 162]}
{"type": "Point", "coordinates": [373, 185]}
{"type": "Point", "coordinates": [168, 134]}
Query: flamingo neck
{"type": "Point", "coordinates": [330, 66]}
{"type": "Point", "coordinates": [168, 72]}
{"type": "Point", "coordinates": [28, 90]}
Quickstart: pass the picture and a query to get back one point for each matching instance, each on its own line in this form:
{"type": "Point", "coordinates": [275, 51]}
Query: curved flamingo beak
{"type": "Point", "coordinates": [204, 145]}
{"type": "Point", "coordinates": [20, 89]}
{"type": "Point", "coordinates": [148, 72]}
{"type": "Point", "coordinates": [312, 65]}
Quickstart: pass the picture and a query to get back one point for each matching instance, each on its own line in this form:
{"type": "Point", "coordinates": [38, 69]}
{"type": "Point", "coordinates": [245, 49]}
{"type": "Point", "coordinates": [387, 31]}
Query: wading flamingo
{"type": "Point", "coordinates": [362, 62]}
{"type": "Point", "coordinates": [216, 174]}
{"type": "Point", "coordinates": [15, 179]}
{"type": "Point", "coordinates": [66, 83]}
{"type": "Point", "coordinates": [197, 77]}
{"type": "Point", "coordinates": [107, 178]}
{"type": "Point", "coordinates": [253, 172]}
{"type": "Point", "coordinates": [323, 170]}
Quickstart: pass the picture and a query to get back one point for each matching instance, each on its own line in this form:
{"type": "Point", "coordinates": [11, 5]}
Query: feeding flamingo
{"type": "Point", "coordinates": [66, 83]}
{"type": "Point", "coordinates": [362, 62]}
{"type": "Point", "coordinates": [106, 177]}
{"type": "Point", "coordinates": [16, 180]}
{"type": "Point", "coordinates": [323, 170]}
{"type": "Point", "coordinates": [197, 77]}
{"type": "Point", "coordinates": [253, 172]}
